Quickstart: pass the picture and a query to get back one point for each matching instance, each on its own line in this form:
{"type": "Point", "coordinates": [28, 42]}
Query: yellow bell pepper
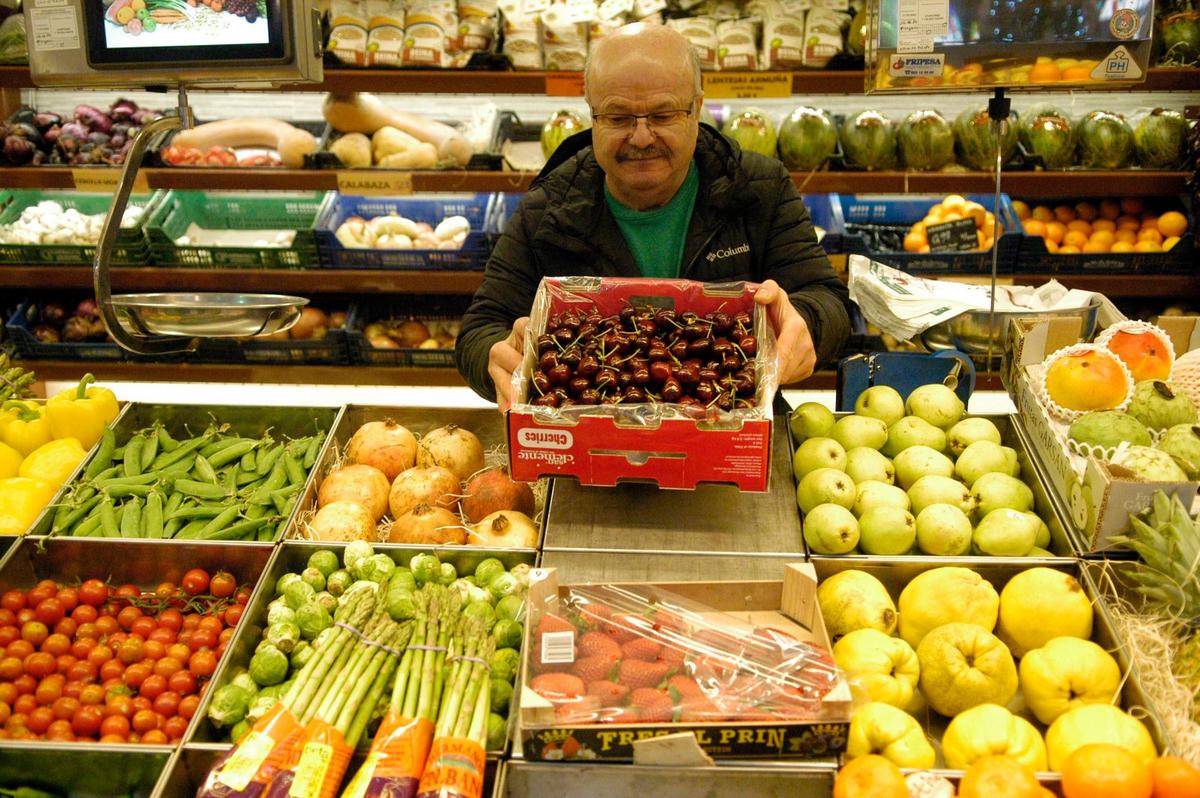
{"type": "Point", "coordinates": [53, 462]}
{"type": "Point", "coordinates": [82, 412]}
{"type": "Point", "coordinates": [24, 426]}
{"type": "Point", "coordinates": [10, 461]}
{"type": "Point", "coordinates": [21, 500]}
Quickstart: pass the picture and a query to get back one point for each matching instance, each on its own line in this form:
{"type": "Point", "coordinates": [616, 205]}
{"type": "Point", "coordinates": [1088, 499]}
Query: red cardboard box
{"type": "Point", "coordinates": [643, 442]}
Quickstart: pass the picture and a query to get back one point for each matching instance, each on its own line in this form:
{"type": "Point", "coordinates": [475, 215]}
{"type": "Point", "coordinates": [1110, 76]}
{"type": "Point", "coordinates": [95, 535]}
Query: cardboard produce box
{"type": "Point", "coordinates": [1097, 502]}
{"type": "Point", "coordinates": [661, 442]}
{"type": "Point", "coordinates": [784, 610]}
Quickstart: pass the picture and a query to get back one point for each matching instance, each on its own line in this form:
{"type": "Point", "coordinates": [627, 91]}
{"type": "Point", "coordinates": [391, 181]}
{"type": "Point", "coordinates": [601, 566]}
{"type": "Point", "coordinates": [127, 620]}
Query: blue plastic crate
{"type": "Point", "coordinates": [826, 213]}
{"type": "Point", "coordinates": [20, 330]}
{"type": "Point", "coordinates": [904, 210]}
{"type": "Point", "coordinates": [479, 210]}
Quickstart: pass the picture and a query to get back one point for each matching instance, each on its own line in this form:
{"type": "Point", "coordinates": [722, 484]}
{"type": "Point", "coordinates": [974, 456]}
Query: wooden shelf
{"type": "Point", "coordinates": [245, 373]}
{"type": "Point", "coordinates": [303, 282]}
{"type": "Point", "coordinates": [1126, 183]}
{"type": "Point", "coordinates": [462, 81]}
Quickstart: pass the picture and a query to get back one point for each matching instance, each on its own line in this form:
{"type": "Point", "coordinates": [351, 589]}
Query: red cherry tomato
{"type": "Point", "coordinates": [68, 597]}
{"type": "Point", "coordinates": [154, 686]}
{"type": "Point", "coordinates": [107, 624]}
{"type": "Point", "coordinates": [82, 671]}
{"type": "Point", "coordinates": [67, 626]}
{"type": "Point", "coordinates": [11, 668]}
{"type": "Point", "coordinates": [93, 592]}
{"type": "Point", "coordinates": [86, 721]}
{"type": "Point", "coordinates": [167, 703]}
{"type": "Point", "coordinates": [191, 621]}
{"type": "Point", "coordinates": [144, 626]}
{"type": "Point", "coordinates": [145, 720]}
{"type": "Point", "coordinates": [127, 616]}
{"type": "Point", "coordinates": [25, 704]}
{"type": "Point", "coordinates": [243, 595]}
{"type": "Point", "coordinates": [39, 664]}
{"type": "Point", "coordinates": [34, 632]}
{"type": "Point", "coordinates": [188, 706]}
{"type": "Point", "coordinates": [175, 727]}
{"type": "Point", "coordinates": [49, 690]}
{"type": "Point", "coordinates": [223, 584]}
{"type": "Point", "coordinates": [170, 619]}
{"type": "Point", "coordinates": [155, 737]}
{"type": "Point", "coordinates": [65, 708]}
{"type": "Point", "coordinates": [82, 647]}
{"type": "Point", "coordinates": [167, 666]}
{"type": "Point", "coordinates": [202, 664]}
{"type": "Point", "coordinates": [130, 651]}
{"type": "Point", "coordinates": [60, 732]}
{"type": "Point", "coordinates": [39, 594]}
{"type": "Point", "coordinates": [202, 638]}
{"type": "Point", "coordinates": [25, 684]}
{"type": "Point", "coordinates": [100, 655]}
{"type": "Point", "coordinates": [225, 635]}
{"type": "Point", "coordinates": [233, 614]}
{"type": "Point", "coordinates": [9, 634]}
{"type": "Point", "coordinates": [40, 720]}
{"type": "Point", "coordinates": [91, 694]}
{"type": "Point", "coordinates": [162, 635]}
{"type": "Point", "coordinates": [182, 682]}
{"type": "Point", "coordinates": [179, 651]}
{"type": "Point", "coordinates": [84, 613]}
{"type": "Point", "coordinates": [49, 611]}
{"type": "Point", "coordinates": [64, 663]}
{"type": "Point", "coordinates": [73, 688]}
{"type": "Point", "coordinates": [115, 725]}
{"type": "Point", "coordinates": [141, 704]}
{"type": "Point", "coordinates": [135, 674]}
{"type": "Point", "coordinates": [56, 644]}
{"type": "Point", "coordinates": [154, 650]}
{"type": "Point", "coordinates": [117, 704]}
{"type": "Point", "coordinates": [8, 693]}
{"type": "Point", "coordinates": [7, 617]}
{"type": "Point", "coordinates": [195, 582]}
{"type": "Point", "coordinates": [13, 600]}
{"type": "Point", "coordinates": [20, 649]}
{"type": "Point", "coordinates": [25, 616]}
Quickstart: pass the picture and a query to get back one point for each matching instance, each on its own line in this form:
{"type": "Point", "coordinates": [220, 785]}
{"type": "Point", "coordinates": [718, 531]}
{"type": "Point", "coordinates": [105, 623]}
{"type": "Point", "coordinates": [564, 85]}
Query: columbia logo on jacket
{"type": "Point", "coordinates": [727, 253]}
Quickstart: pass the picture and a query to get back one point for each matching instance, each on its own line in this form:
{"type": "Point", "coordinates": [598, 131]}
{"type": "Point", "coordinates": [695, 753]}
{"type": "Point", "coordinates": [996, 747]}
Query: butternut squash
{"type": "Point", "coordinates": [289, 141]}
{"type": "Point", "coordinates": [365, 113]}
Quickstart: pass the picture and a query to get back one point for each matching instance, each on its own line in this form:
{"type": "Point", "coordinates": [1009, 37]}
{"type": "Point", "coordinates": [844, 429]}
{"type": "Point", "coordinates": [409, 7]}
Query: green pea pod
{"type": "Point", "coordinates": [131, 522]}
{"type": "Point", "coordinates": [173, 504]}
{"type": "Point", "coordinates": [108, 519]}
{"type": "Point", "coordinates": [126, 491]}
{"type": "Point", "coordinates": [87, 527]}
{"type": "Point", "coordinates": [171, 528]}
{"type": "Point", "coordinates": [104, 454]}
{"type": "Point", "coordinates": [201, 490]}
{"type": "Point", "coordinates": [241, 530]}
{"type": "Point", "coordinates": [295, 473]}
{"type": "Point", "coordinates": [247, 461]}
{"type": "Point", "coordinates": [204, 470]}
{"type": "Point", "coordinates": [224, 519]}
{"type": "Point", "coordinates": [165, 442]}
{"type": "Point", "coordinates": [140, 479]}
{"type": "Point", "coordinates": [180, 452]}
{"type": "Point", "coordinates": [133, 456]}
{"type": "Point", "coordinates": [190, 530]}
{"type": "Point", "coordinates": [266, 460]}
{"type": "Point", "coordinates": [152, 516]}
{"type": "Point", "coordinates": [231, 453]}
{"type": "Point", "coordinates": [313, 451]}
{"type": "Point", "coordinates": [74, 516]}
{"type": "Point", "coordinates": [246, 478]}
{"type": "Point", "coordinates": [149, 449]}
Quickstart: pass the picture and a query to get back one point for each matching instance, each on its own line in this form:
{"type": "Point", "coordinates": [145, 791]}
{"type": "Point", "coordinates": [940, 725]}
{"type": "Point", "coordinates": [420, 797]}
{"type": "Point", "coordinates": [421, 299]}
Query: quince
{"type": "Point", "coordinates": [1097, 723]}
{"type": "Point", "coordinates": [963, 666]}
{"type": "Point", "coordinates": [855, 600]}
{"type": "Point", "coordinates": [1066, 673]}
{"type": "Point", "coordinates": [1040, 604]}
{"type": "Point", "coordinates": [990, 729]}
{"type": "Point", "coordinates": [883, 729]}
{"type": "Point", "coordinates": [880, 667]}
{"type": "Point", "coordinates": [946, 595]}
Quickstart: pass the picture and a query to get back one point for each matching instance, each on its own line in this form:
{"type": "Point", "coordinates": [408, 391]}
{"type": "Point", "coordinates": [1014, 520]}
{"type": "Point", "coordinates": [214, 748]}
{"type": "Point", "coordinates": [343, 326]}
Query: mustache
{"type": "Point", "coordinates": [640, 153]}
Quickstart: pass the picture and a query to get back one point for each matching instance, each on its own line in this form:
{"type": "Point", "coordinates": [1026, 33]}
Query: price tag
{"type": "Point", "coordinates": [100, 180]}
{"type": "Point", "coordinates": [564, 84]}
{"type": "Point", "coordinates": [369, 183]}
{"type": "Point", "coordinates": [956, 236]}
{"type": "Point", "coordinates": [746, 85]}
{"type": "Point", "coordinates": [53, 29]}
{"type": "Point", "coordinates": [919, 23]}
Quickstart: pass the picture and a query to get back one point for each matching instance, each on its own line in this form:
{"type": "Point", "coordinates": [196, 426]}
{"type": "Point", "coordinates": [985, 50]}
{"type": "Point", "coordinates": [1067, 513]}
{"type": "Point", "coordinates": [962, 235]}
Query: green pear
{"type": "Point", "coordinates": [969, 430]}
{"type": "Point", "coordinates": [913, 431]}
{"type": "Point", "coordinates": [937, 404]}
{"type": "Point", "coordinates": [864, 464]}
{"type": "Point", "coordinates": [830, 529]}
{"type": "Point", "coordinates": [1005, 533]}
{"type": "Point", "coordinates": [938, 489]}
{"type": "Point", "coordinates": [1042, 538]}
{"type": "Point", "coordinates": [886, 531]}
{"type": "Point", "coordinates": [817, 453]}
{"type": "Point", "coordinates": [981, 457]}
{"type": "Point", "coordinates": [1014, 462]}
{"type": "Point", "coordinates": [882, 402]}
{"type": "Point", "coordinates": [917, 461]}
{"type": "Point", "coordinates": [875, 493]}
{"type": "Point", "coordinates": [855, 431]}
{"type": "Point", "coordinates": [943, 530]}
{"type": "Point", "coordinates": [825, 486]}
{"type": "Point", "coordinates": [811, 420]}
{"type": "Point", "coordinates": [995, 490]}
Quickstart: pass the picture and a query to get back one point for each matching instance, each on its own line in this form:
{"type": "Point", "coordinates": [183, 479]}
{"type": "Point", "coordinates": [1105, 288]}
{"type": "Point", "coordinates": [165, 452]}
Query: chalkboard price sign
{"type": "Point", "coordinates": [956, 236]}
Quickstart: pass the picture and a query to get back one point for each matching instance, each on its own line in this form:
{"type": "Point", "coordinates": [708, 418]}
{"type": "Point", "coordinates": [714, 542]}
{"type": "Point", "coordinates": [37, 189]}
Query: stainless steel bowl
{"type": "Point", "coordinates": [969, 332]}
{"type": "Point", "coordinates": [207, 315]}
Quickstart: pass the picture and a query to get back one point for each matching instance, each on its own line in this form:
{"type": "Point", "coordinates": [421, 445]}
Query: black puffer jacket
{"type": "Point", "coordinates": [749, 223]}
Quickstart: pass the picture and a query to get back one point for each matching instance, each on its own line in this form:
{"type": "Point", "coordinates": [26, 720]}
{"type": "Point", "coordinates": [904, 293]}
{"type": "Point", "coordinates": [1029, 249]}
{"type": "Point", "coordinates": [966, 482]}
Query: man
{"type": "Point", "coordinates": [650, 192]}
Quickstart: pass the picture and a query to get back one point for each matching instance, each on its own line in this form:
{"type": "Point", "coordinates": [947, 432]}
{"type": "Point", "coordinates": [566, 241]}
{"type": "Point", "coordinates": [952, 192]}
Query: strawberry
{"type": "Point", "coordinates": [699, 709]}
{"type": "Point", "coordinates": [669, 619]}
{"type": "Point", "coordinates": [622, 715]}
{"type": "Point", "coordinates": [635, 673]}
{"type": "Point", "coordinates": [682, 687]}
{"type": "Point", "coordinates": [626, 627]}
{"type": "Point", "coordinates": [578, 710]}
{"type": "Point", "coordinates": [594, 669]}
{"type": "Point", "coordinates": [598, 644]}
{"type": "Point", "coordinates": [653, 706]}
{"type": "Point", "coordinates": [611, 694]}
{"type": "Point", "coordinates": [674, 656]}
{"type": "Point", "coordinates": [558, 687]}
{"type": "Point", "coordinates": [642, 648]}
{"type": "Point", "coordinates": [594, 614]}
{"type": "Point", "coordinates": [550, 622]}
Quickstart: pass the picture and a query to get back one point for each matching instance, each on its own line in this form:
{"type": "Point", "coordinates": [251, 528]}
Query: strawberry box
{"type": "Point", "coordinates": [701, 412]}
{"type": "Point", "coordinates": [743, 667]}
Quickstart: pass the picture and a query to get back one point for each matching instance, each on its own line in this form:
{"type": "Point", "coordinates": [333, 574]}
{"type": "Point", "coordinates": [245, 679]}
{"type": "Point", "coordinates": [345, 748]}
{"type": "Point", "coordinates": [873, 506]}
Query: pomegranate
{"type": "Point", "coordinates": [494, 490]}
{"type": "Point", "coordinates": [386, 445]}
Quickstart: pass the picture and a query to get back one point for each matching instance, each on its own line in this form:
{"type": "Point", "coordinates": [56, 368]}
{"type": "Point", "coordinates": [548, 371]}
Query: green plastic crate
{"type": "Point", "coordinates": [132, 248]}
{"type": "Point", "coordinates": [217, 211]}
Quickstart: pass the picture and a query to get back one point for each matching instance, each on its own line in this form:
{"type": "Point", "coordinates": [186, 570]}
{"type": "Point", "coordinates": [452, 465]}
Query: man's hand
{"type": "Point", "coordinates": [795, 355]}
{"type": "Point", "coordinates": [505, 357]}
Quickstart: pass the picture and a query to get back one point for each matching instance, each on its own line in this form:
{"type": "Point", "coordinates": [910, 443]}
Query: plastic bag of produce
{"type": "Point", "coordinates": [247, 768]}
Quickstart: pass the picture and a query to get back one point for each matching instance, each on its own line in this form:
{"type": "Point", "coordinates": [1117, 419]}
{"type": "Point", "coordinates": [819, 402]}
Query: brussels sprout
{"type": "Point", "coordinates": [314, 577]}
{"type": "Point", "coordinates": [497, 732]}
{"type": "Point", "coordinates": [301, 654]}
{"type": "Point", "coordinates": [447, 573]}
{"type": "Point", "coordinates": [481, 610]}
{"type": "Point", "coordinates": [260, 706]}
{"type": "Point", "coordinates": [298, 593]}
{"type": "Point", "coordinates": [229, 705]}
{"type": "Point", "coordinates": [276, 690]}
{"type": "Point", "coordinates": [488, 570]}
{"type": "Point", "coordinates": [240, 730]}
{"type": "Point", "coordinates": [479, 594]}
{"type": "Point", "coordinates": [356, 550]}
{"type": "Point", "coordinates": [244, 681]}
{"type": "Point", "coordinates": [521, 572]}
{"type": "Point", "coordinates": [403, 577]}
{"type": "Point", "coordinates": [504, 585]}
{"type": "Point", "coordinates": [504, 663]}
{"type": "Point", "coordinates": [400, 603]}
{"type": "Point", "coordinates": [269, 666]}
{"type": "Point", "coordinates": [280, 613]}
{"type": "Point", "coordinates": [283, 635]}
{"type": "Point", "coordinates": [324, 561]}
{"type": "Point", "coordinates": [327, 600]}
{"type": "Point", "coordinates": [284, 581]}
{"type": "Point", "coordinates": [425, 568]}
{"type": "Point", "coordinates": [376, 568]}
{"type": "Point", "coordinates": [338, 582]}
{"type": "Point", "coordinates": [501, 696]}
{"type": "Point", "coordinates": [512, 607]}
{"type": "Point", "coordinates": [313, 619]}
{"type": "Point", "coordinates": [507, 633]}
{"type": "Point", "coordinates": [470, 579]}
{"type": "Point", "coordinates": [460, 589]}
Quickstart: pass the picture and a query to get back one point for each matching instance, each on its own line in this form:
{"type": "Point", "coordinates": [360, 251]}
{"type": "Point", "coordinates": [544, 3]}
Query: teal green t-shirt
{"type": "Point", "coordinates": [656, 238]}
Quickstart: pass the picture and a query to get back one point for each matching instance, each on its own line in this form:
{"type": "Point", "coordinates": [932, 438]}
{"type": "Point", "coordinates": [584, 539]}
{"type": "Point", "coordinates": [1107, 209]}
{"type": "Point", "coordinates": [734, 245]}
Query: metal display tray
{"type": "Point", "coordinates": [713, 519]}
{"type": "Point", "coordinates": [897, 573]}
{"type": "Point", "coordinates": [74, 770]}
{"type": "Point", "coordinates": [186, 420]}
{"type": "Point", "coordinates": [1062, 543]}
{"type": "Point", "coordinates": [521, 779]}
{"type": "Point", "coordinates": [291, 557]}
{"type": "Point", "coordinates": [592, 566]}
{"type": "Point", "coordinates": [487, 425]}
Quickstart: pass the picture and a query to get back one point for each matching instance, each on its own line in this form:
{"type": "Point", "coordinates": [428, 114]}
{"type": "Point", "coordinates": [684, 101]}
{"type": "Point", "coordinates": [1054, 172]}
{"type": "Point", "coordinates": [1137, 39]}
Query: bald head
{"type": "Point", "coordinates": [653, 51]}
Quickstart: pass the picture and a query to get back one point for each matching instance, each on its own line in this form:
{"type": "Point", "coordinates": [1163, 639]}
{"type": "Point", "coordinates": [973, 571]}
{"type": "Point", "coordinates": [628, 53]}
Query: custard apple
{"type": "Point", "coordinates": [1160, 405]}
{"type": "Point", "coordinates": [1108, 428]}
{"type": "Point", "coordinates": [1150, 465]}
{"type": "Point", "coordinates": [1182, 442]}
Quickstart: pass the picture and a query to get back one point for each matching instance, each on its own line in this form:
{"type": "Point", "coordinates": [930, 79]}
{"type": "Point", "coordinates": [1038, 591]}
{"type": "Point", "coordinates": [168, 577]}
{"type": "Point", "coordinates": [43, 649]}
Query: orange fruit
{"type": "Point", "coordinates": [1121, 246]}
{"type": "Point", "coordinates": [1126, 235]}
{"type": "Point", "coordinates": [1147, 354]}
{"type": "Point", "coordinates": [1075, 238]}
{"type": "Point", "coordinates": [1081, 226]}
{"type": "Point", "coordinates": [1174, 778]}
{"type": "Point", "coordinates": [1043, 214]}
{"type": "Point", "coordinates": [979, 213]}
{"type": "Point", "coordinates": [1065, 213]}
{"type": "Point", "coordinates": [1068, 249]}
{"type": "Point", "coordinates": [870, 776]}
{"type": "Point", "coordinates": [951, 216]}
{"type": "Point", "coordinates": [1132, 205]}
{"type": "Point", "coordinates": [914, 241]}
{"type": "Point", "coordinates": [1104, 770]}
{"type": "Point", "coordinates": [1077, 74]}
{"type": "Point", "coordinates": [1052, 246]}
{"type": "Point", "coordinates": [1128, 223]}
{"type": "Point", "coordinates": [1149, 223]}
{"type": "Point", "coordinates": [1089, 380]}
{"type": "Point", "coordinates": [1055, 231]}
{"type": "Point", "coordinates": [1035, 228]}
{"type": "Point", "coordinates": [1021, 209]}
{"type": "Point", "coordinates": [998, 777]}
{"type": "Point", "coordinates": [1096, 246]}
{"type": "Point", "coordinates": [1045, 72]}
{"type": "Point", "coordinates": [954, 202]}
{"type": "Point", "coordinates": [1104, 224]}
{"type": "Point", "coordinates": [1147, 246]}
{"type": "Point", "coordinates": [1086, 211]}
{"type": "Point", "coordinates": [1172, 224]}
{"type": "Point", "coordinates": [1150, 234]}
{"type": "Point", "coordinates": [1105, 237]}
{"type": "Point", "coordinates": [1110, 209]}
{"type": "Point", "coordinates": [1170, 242]}
{"type": "Point", "coordinates": [924, 248]}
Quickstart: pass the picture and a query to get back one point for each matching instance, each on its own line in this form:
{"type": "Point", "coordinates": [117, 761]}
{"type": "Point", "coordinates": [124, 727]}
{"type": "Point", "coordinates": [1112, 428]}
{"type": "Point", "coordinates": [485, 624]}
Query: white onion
{"type": "Point", "coordinates": [386, 445]}
{"type": "Point", "coordinates": [430, 485]}
{"type": "Point", "coordinates": [361, 484]}
{"type": "Point", "coordinates": [452, 448]}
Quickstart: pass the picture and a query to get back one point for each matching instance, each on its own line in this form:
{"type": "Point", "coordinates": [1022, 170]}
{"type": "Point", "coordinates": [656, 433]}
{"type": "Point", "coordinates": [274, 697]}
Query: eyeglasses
{"type": "Point", "coordinates": [628, 122]}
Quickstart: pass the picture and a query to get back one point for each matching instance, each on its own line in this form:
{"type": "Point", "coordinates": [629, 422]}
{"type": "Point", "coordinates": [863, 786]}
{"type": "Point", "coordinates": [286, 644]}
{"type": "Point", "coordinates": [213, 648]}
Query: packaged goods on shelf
{"type": "Point", "coordinates": [385, 32]}
{"type": "Point", "coordinates": [737, 44]}
{"type": "Point", "coordinates": [429, 32]}
{"type": "Point", "coordinates": [701, 32]}
{"type": "Point", "coordinates": [523, 40]}
{"type": "Point", "coordinates": [822, 36]}
{"type": "Point", "coordinates": [747, 668]}
{"type": "Point", "coordinates": [349, 29]}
